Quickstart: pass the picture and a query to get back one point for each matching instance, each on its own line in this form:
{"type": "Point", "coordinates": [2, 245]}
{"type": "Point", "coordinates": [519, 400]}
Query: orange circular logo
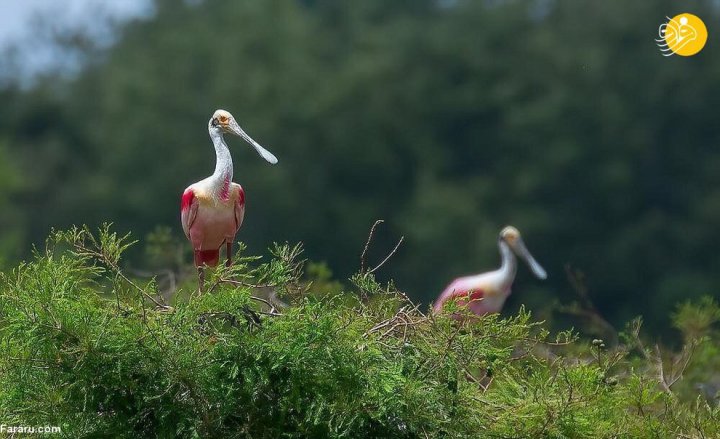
{"type": "Point", "coordinates": [684, 35]}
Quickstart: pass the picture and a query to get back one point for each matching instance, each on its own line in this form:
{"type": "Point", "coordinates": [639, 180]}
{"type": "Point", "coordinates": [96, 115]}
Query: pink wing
{"type": "Point", "coordinates": [188, 210]}
{"type": "Point", "coordinates": [239, 208]}
{"type": "Point", "coordinates": [462, 293]}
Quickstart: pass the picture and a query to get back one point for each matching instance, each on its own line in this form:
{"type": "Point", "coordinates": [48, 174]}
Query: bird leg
{"type": "Point", "coordinates": [228, 253]}
{"type": "Point", "coordinates": [201, 278]}
{"type": "Point", "coordinates": [201, 270]}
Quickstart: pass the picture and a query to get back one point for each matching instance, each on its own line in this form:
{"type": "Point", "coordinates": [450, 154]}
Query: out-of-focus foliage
{"type": "Point", "coordinates": [449, 119]}
{"type": "Point", "coordinates": [13, 235]}
{"type": "Point", "coordinates": [699, 321]}
{"type": "Point", "coordinates": [85, 348]}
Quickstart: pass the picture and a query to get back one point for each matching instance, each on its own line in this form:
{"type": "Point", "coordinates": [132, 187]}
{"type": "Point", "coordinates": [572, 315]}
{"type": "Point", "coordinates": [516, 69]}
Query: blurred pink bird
{"type": "Point", "coordinates": [212, 209]}
{"type": "Point", "coordinates": [486, 293]}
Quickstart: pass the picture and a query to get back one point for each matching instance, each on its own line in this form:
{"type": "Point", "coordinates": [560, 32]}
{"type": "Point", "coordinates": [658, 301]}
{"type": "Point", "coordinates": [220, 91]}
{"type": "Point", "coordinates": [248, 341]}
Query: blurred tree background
{"type": "Point", "coordinates": [447, 118]}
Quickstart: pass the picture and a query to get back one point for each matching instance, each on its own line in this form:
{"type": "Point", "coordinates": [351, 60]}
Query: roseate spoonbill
{"type": "Point", "coordinates": [212, 209]}
{"type": "Point", "coordinates": [486, 293]}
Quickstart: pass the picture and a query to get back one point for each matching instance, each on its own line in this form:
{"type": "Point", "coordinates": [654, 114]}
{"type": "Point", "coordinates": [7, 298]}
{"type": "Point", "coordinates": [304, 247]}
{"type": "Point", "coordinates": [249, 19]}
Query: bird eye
{"type": "Point", "coordinates": [214, 122]}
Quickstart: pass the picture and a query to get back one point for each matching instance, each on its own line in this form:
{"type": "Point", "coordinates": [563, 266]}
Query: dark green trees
{"type": "Point", "coordinates": [447, 119]}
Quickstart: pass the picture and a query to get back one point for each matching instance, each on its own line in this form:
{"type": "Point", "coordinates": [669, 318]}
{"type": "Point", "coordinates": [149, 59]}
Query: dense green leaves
{"type": "Point", "coordinates": [85, 348]}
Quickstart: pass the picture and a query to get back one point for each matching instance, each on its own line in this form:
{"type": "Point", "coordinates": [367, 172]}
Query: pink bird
{"type": "Point", "coordinates": [486, 293]}
{"type": "Point", "coordinates": [212, 209]}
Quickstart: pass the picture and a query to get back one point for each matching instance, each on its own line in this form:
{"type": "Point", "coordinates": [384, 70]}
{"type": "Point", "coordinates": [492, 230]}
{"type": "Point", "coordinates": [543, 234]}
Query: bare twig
{"type": "Point", "coordinates": [367, 244]}
{"type": "Point", "coordinates": [661, 372]}
{"type": "Point", "coordinates": [388, 256]}
{"type": "Point", "coordinates": [247, 284]}
{"type": "Point", "coordinates": [272, 312]}
{"type": "Point", "coordinates": [402, 318]}
{"type": "Point", "coordinates": [665, 382]}
{"type": "Point", "coordinates": [100, 255]}
{"type": "Point", "coordinates": [684, 357]}
{"type": "Point", "coordinates": [137, 287]}
{"type": "Point", "coordinates": [273, 309]}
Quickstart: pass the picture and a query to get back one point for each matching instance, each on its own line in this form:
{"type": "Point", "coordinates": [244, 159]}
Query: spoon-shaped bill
{"type": "Point", "coordinates": [264, 153]}
{"type": "Point", "coordinates": [523, 253]}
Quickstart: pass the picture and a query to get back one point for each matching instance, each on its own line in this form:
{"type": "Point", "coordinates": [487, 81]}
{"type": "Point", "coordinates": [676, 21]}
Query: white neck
{"type": "Point", "coordinates": [223, 174]}
{"type": "Point", "coordinates": [509, 264]}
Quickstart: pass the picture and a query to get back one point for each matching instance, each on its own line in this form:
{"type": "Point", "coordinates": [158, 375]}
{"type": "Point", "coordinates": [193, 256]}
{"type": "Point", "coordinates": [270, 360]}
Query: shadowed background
{"type": "Point", "coordinates": [447, 118]}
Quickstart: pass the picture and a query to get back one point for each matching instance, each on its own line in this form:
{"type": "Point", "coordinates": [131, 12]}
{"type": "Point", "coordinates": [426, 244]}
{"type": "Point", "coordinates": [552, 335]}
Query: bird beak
{"type": "Point", "coordinates": [519, 248]}
{"type": "Point", "coordinates": [234, 128]}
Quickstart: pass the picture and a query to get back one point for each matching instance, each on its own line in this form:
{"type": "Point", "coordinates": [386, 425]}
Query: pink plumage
{"type": "Point", "coordinates": [212, 210]}
{"type": "Point", "coordinates": [210, 222]}
{"type": "Point", "coordinates": [486, 293]}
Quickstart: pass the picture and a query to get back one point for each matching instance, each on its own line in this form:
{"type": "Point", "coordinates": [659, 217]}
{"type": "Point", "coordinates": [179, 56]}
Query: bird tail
{"type": "Point", "coordinates": [207, 257]}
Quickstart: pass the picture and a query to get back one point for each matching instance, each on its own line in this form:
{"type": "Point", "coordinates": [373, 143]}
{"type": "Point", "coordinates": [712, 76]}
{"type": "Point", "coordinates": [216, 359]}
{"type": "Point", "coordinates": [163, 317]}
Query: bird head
{"type": "Point", "coordinates": [224, 122]}
{"type": "Point", "coordinates": [511, 236]}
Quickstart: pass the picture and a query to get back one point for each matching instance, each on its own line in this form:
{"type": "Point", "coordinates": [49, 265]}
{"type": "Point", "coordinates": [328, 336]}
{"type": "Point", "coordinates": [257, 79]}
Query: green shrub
{"type": "Point", "coordinates": [99, 354]}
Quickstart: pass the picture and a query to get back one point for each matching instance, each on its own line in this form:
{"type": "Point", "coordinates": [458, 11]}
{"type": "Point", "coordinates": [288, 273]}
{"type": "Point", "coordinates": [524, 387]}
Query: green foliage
{"type": "Point", "coordinates": [90, 349]}
{"type": "Point", "coordinates": [696, 320]}
{"type": "Point", "coordinates": [698, 323]}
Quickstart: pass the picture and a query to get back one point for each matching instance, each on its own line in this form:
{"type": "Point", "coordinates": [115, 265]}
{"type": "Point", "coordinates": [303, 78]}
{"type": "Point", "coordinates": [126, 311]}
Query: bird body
{"type": "Point", "coordinates": [479, 293]}
{"type": "Point", "coordinates": [214, 217]}
{"type": "Point", "coordinates": [486, 293]}
{"type": "Point", "coordinates": [212, 210]}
